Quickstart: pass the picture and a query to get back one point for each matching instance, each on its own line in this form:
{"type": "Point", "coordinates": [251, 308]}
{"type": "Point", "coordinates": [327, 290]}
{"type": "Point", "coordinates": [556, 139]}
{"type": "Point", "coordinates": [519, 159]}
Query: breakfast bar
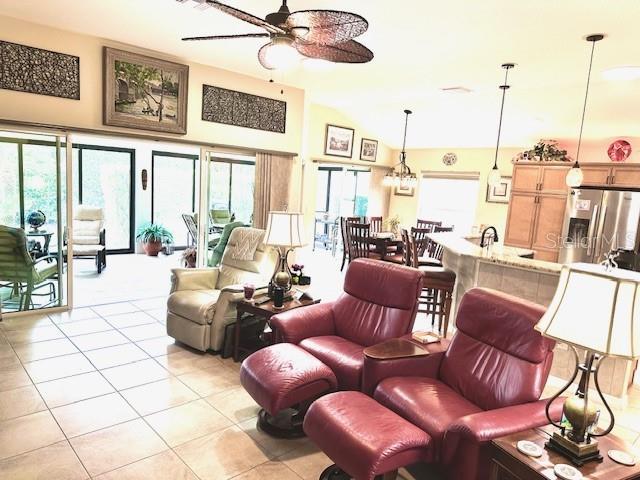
{"type": "Point", "coordinates": [513, 271]}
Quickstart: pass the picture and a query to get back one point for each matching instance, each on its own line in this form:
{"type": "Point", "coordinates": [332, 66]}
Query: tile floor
{"type": "Point", "coordinates": [104, 393]}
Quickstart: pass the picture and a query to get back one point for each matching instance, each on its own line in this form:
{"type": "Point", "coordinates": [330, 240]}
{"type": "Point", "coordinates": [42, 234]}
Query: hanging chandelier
{"type": "Point", "coordinates": [401, 175]}
{"type": "Point", "coordinates": [494, 176]}
{"type": "Point", "coordinates": [575, 175]}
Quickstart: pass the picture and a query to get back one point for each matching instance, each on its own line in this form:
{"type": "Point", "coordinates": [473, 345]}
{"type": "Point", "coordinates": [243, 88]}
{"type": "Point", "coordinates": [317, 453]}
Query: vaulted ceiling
{"type": "Point", "coordinates": [421, 47]}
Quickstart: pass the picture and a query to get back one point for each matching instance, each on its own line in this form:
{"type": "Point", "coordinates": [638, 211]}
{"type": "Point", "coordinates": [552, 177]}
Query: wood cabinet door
{"type": "Point", "coordinates": [550, 217]}
{"type": "Point", "coordinates": [553, 179]}
{"type": "Point", "coordinates": [525, 178]}
{"type": "Point", "coordinates": [595, 175]}
{"type": "Point", "coordinates": [521, 220]}
{"type": "Point", "coordinates": [626, 176]}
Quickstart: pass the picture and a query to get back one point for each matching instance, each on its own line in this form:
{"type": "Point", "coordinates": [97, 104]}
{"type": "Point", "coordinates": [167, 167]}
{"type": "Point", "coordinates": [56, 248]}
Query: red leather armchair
{"type": "Point", "coordinates": [486, 385]}
{"type": "Point", "coordinates": [379, 302]}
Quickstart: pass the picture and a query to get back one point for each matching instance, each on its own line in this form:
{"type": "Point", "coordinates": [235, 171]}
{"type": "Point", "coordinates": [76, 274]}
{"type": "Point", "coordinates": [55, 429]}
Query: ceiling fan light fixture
{"type": "Point", "coordinates": [280, 54]}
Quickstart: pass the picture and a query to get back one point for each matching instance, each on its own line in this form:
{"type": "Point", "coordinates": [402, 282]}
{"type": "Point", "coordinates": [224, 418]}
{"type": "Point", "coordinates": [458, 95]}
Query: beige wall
{"type": "Point", "coordinates": [87, 112]}
{"type": "Point", "coordinates": [469, 160]}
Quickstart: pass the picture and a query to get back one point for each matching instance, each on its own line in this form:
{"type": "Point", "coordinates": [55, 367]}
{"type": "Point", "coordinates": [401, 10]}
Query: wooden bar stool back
{"type": "Point", "coordinates": [437, 290]}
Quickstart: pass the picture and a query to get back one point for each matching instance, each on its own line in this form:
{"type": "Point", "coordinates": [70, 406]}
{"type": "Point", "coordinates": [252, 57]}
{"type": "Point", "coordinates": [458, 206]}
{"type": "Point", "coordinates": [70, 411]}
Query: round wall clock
{"type": "Point", "coordinates": [449, 159]}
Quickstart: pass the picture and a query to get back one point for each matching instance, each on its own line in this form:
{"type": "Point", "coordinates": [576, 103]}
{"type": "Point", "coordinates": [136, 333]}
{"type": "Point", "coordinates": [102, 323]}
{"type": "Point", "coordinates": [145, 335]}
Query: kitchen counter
{"type": "Point", "coordinates": [505, 269]}
{"type": "Point", "coordinates": [498, 254]}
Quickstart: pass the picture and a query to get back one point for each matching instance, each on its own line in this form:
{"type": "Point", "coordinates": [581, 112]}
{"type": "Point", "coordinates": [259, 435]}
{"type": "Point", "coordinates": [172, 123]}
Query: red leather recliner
{"type": "Point", "coordinates": [379, 302]}
{"type": "Point", "coordinates": [486, 385]}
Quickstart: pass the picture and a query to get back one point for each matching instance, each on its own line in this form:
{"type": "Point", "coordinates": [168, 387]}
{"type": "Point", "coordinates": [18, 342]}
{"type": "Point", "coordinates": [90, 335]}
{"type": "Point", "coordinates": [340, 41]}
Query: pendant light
{"type": "Point", "coordinates": [575, 176]}
{"type": "Point", "coordinates": [401, 175]}
{"type": "Point", "coordinates": [494, 175]}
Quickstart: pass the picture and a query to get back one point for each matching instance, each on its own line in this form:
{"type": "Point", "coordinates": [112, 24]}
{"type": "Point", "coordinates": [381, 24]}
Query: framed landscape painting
{"type": "Point", "coordinates": [339, 141]}
{"type": "Point", "coordinates": [368, 150]}
{"type": "Point", "coordinates": [501, 192]}
{"type": "Point", "coordinates": [144, 92]}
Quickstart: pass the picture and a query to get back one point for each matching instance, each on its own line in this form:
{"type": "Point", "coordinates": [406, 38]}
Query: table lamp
{"type": "Point", "coordinates": [285, 231]}
{"type": "Point", "coordinates": [595, 308]}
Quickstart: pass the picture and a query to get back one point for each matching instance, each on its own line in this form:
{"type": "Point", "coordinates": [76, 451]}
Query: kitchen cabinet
{"type": "Point", "coordinates": [611, 175]}
{"type": "Point", "coordinates": [536, 209]}
{"type": "Point", "coordinates": [537, 177]}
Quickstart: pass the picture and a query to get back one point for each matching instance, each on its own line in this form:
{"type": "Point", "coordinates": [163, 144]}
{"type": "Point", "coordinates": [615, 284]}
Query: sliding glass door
{"type": "Point", "coordinates": [33, 219]}
{"type": "Point", "coordinates": [175, 178]}
{"type": "Point", "coordinates": [105, 179]}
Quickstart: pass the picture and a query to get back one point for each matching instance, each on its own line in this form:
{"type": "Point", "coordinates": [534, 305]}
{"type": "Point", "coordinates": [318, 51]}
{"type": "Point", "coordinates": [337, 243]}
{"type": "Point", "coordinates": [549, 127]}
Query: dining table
{"type": "Point", "coordinates": [383, 240]}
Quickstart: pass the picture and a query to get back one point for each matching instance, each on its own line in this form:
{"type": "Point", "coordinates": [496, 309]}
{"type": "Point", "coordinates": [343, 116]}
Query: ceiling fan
{"type": "Point", "coordinates": [320, 34]}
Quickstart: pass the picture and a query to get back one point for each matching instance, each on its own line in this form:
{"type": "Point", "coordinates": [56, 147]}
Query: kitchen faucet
{"type": "Point", "coordinates": [492, 239]}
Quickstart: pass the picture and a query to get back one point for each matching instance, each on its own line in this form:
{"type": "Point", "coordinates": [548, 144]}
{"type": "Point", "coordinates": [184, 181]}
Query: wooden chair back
{"type": "Point", "coordinates": [344, 221]}
{"type": "Point", "coordinates": [359, 237]}
{"type": "Point", "coordinates": [406, 251]}
{"type": "Point", "coordinates": [427, 224]}
{"type": "Point", "coordinates": [376, 224]}
{"type": "Point", "coordinates": [434, 250]}
{"type": "Point", "coordinates": [421, 239]}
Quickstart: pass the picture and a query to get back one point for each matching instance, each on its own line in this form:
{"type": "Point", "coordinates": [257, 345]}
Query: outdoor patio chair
{"type": "Point", "coordinates": [23, 275]}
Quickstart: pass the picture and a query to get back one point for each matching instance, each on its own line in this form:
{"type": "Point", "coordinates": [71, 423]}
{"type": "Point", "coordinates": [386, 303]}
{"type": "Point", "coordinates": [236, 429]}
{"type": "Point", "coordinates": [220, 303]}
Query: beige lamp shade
{"type": "Point", "coordinates": [285, 229]}
{"type": "Point", "coordinates": [596, 309]}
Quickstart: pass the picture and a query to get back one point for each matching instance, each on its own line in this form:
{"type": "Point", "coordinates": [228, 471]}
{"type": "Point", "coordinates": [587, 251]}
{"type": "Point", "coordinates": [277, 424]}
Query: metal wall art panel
{"type": "Point", "coordinates": [34, 70]}
{"type": "Point", "coordinates": [243, 109]}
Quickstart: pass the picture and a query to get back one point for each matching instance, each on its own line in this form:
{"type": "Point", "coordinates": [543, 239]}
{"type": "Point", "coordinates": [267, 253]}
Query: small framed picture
{"type": "Point", "coordinates": [404, 190]}
{"type": "Point", "coordinates": [368, 150]}
{"type": "Point", "coordinates": [501, 192]}
{"type": "Point", "coordinates": [339, 141]}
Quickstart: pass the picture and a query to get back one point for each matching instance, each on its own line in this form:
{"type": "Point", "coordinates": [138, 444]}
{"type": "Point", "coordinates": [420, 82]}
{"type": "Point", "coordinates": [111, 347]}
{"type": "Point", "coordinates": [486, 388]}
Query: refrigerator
{"type": "Point", "coordinates": [598, 221]}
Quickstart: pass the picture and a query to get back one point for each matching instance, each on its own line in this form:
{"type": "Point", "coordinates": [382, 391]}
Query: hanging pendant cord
{"type": "Point", "coordinates": [504, 89]}
{"type": "Point", "coordinates": [403, 155]}
{"type": "Point", "coordinates": [586, 94]}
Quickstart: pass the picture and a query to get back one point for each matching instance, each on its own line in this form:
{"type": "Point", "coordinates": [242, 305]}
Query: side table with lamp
{"type": "Point", "coordinates": [596, 308]}
{"type": "Point", "coordinates": [285, 231]}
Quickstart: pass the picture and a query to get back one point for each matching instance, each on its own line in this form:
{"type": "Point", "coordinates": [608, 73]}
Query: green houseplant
{"type": "Point", "coordinates": [152, 236]}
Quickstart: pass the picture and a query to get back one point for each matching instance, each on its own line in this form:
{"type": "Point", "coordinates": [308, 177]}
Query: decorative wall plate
{"type": "Point", "coordinates": [619, 151]}
{"type": "Point", "coordinates": [449, 159]}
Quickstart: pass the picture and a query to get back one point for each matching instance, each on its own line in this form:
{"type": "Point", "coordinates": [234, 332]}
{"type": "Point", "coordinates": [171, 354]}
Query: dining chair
{"type": "Point", "coordinates": [359, 238]}
{"type": "Point", "coordinates": [428, 224]}
{"type": "Point", "coordinates": [376, 224]}
{"type": "Point", "coordinates": [345, 241]}
{"type": "Point", "coordinates": [420, 236]}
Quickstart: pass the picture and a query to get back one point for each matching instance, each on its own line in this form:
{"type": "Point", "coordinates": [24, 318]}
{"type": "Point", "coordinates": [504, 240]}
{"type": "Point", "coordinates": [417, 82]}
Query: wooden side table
{"type": "Point", "coordinates": [265, 311]}
{"type": "Point", "coordinates": [509, 464]}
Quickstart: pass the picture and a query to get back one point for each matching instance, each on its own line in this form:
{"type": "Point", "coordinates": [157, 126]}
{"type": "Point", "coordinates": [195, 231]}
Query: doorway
{"type": "Point", "coordinates": [33, 218]}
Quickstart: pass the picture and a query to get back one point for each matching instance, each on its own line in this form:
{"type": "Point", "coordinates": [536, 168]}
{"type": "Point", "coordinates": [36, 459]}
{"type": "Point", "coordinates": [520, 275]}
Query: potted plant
{"type": "Point", "coordinates": [392, 224]}
{"type": "Point", "coordinates": [189, 257]}
{"type": "Point", "coordinates": [298, 278]}
{"type": "Point", "coordinates": [152, 236]}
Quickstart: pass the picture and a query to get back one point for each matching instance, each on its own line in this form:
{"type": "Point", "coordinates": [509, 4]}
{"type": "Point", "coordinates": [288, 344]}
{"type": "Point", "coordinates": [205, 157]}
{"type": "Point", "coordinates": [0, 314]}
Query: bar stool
{"type": "Point", "coordinates": [437, 289]}
{"type": "Point", "coordinates": [437, 293]}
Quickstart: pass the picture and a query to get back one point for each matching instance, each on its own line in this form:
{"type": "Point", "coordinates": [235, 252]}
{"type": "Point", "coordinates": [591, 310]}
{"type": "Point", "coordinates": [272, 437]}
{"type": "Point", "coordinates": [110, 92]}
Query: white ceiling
{"type": "Point", "coordinates": [421, 46]}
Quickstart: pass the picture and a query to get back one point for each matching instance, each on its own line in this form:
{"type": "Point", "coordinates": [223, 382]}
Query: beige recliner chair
{"type": "Point", "coordinates": [89, 235]}
{"type": "Point", "coordinates": [202, 300]}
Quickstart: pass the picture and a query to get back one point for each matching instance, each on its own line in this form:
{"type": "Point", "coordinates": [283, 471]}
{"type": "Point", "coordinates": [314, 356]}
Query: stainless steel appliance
{"type": "Point", "coordinates": [598, 221]}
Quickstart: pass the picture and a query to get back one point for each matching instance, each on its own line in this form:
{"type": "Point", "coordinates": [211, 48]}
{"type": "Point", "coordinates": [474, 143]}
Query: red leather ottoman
{"type": "Point", "coordinates": [281, 377]}
{"type": "Point", "coordinates": [364, 438]}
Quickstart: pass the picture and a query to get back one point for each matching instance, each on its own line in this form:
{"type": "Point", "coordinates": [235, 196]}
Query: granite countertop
{"type": "Point", "coordinates": [498, 254]}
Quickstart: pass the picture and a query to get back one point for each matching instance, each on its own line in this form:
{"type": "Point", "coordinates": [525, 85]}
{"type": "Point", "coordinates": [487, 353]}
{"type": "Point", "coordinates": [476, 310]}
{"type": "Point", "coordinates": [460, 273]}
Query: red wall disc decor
{"type": "Point", "coordinates": [619, 151]}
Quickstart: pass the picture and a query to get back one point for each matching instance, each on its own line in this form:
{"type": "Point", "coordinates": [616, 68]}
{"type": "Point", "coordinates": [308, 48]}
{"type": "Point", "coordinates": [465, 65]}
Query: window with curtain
{"type": "Point", "coordinates": [450, 198]}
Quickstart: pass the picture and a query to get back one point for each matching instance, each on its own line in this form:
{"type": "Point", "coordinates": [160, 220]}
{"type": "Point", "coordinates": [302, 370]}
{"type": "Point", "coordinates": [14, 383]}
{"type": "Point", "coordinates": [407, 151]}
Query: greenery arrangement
{"type": "Point", "coordinates": [391, 224]}
{"type": "Point", "coordinates": [154, 233]}
{"type": "Point", "coordinates": [544, 151]}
